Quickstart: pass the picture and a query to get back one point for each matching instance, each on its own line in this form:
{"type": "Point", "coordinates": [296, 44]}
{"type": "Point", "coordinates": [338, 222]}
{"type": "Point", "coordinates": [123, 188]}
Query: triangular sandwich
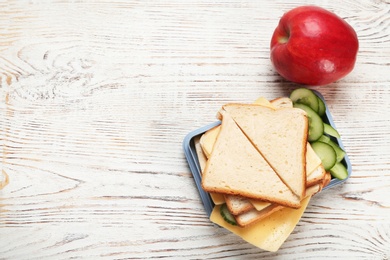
{"type": "Point", "coordinates": [236, 167]}
{"type": "Point", "coordinates": [280, 135]}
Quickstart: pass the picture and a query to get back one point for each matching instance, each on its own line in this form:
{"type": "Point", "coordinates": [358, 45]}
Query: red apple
{"type": "Point", "coordinates": [313, 46]}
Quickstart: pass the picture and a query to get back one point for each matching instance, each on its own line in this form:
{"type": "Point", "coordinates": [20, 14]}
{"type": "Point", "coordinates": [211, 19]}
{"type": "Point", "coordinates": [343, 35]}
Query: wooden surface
{"type": "Point", "coordinates": [96, 99]}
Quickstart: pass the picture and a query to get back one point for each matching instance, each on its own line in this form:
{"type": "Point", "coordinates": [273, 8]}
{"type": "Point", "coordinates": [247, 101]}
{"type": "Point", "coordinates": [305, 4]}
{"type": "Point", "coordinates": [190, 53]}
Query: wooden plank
{"type": "Point", "coordinates": [96, 98]}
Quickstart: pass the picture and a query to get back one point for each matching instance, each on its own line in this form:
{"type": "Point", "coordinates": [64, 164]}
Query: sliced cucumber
{"type": "Point", "coordinates": [226, 215]}
{"type": "Point", "coordinates": [328, 129]}
{"type": "Point", "coordinates": [326, 153]}
{"type": "Point", "coordinates": [321, 107]}
{"type": "Point", "coordinates": [340, 153]}
{"type": "Point", "coordinates": [339, 171]}
{"type": "Point", "coordinates": [320, 133]}
{"type": "Point", "coordinates": [305, 96]}
{"type": "Point", "coordinates": [316, 125]}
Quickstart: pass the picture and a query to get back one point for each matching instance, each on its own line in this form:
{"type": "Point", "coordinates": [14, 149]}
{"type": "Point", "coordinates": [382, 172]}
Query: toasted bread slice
{"type": "Point", "coordinates": [282, 102]}
{"type": "Point", "coordinates": [238, 204]}
{"type": "Point", "coordinates": [236, 167]}
{"type": "Point", "coordinates": [316, 177]}
{"type": "Point", "coordinates": [254, 215]}
{"type": "Point", "coordinates": [280, 136]}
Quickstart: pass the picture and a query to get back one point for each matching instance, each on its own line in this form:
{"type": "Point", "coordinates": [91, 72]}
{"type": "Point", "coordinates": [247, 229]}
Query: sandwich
{"type": "Point", "coordinates": [280, 136]}
{"type": "Point", "coordinates": [259, 217]}
{"type": "Point", "coordinates": [235, 167]}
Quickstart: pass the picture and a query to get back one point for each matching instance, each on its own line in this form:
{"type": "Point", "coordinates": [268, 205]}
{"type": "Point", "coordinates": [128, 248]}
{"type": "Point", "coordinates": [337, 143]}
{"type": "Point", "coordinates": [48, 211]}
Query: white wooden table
{"type": "Point", "coordinates": [95, 100]}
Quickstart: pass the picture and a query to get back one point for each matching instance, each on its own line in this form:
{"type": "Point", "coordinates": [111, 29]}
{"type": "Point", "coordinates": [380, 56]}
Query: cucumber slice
{"type": "Point", "coordinates": [328, 129]}
{"type": "Point", "coordinates": [305, 96]}
{"type": "Point", "coordinates": [227, 216]}
{"type": "Point", "coordinates": [340, 153]}
{"type": "Point", "coordinates": [316, 125]}
{"type": "Point", "coordinates": [321, 107]}
{"type": "Point", "coordinates": [326, 153]}
{"type": "Point", "coordinates": [339, 171]}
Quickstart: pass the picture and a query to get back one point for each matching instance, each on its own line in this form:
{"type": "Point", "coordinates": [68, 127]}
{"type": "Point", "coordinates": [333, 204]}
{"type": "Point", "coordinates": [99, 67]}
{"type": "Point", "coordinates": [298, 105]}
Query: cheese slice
{"type": "Point", "coordinates": [260, 205]}
{"type": "Point", "coordinates": [264, 102]}
{"type": "Point", "coordinates": [269, 233]}
{"type": "Point", "coordinates": [217, 198]}
{"type": "Point", "coordinates": [312, 160]}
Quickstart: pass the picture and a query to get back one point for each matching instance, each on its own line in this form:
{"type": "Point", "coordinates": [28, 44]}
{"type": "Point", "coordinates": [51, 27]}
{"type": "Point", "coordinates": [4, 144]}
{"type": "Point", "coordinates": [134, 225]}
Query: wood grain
{"type": "Point", "coordinates": [96, 98]}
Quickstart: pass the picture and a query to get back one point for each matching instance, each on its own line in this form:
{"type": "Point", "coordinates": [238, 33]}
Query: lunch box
{"type": "Point", "coordinates": [193, 162]}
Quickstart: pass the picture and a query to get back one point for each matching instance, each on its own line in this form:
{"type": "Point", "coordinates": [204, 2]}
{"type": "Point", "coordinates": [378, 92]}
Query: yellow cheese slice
{"type": "Point", "coordinates": [269, 233]}
{"type": "Point", "coordinates": [260, 205]}
{"type": "Point", "coordinates": [312, 160]}
{"type": "Point", "coordinates": [264, 102]}
{"type": "Point", "coordinates": [217, 198]}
